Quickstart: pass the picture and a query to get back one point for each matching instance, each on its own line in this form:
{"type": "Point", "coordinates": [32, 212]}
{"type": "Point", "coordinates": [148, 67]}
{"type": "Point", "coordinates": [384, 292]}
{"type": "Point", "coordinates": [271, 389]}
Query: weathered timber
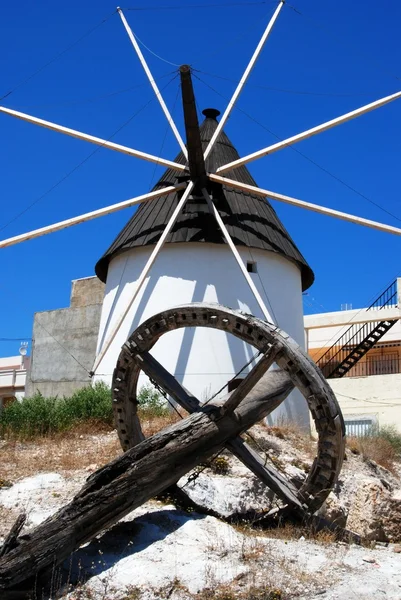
{"type": "Point", "coordinates": [276, 482]}
{"type": "Point", "coordinates": [196, 162]}
{"type": "Point", "coordinates": [249, 382]}
{"type": "Point", "coordinates": [141, 473]}
{"type": "Point", "coordinates": [265, 337]}
{"type": "Point", "coordinates": [11, 540]}
{"type": "Point", "coordinates": [270, 477]}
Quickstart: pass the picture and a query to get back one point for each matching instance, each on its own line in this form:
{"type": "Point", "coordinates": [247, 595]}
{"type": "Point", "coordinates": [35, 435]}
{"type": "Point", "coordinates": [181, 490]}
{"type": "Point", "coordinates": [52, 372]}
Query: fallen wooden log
{"type": "Point", "coordinates": [126, 483]}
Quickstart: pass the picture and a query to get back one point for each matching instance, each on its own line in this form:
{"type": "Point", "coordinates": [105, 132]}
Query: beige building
{"type": "Point", "coordinates": [359, 351]}
{"type": "Point", "coordinates": [13, 370]}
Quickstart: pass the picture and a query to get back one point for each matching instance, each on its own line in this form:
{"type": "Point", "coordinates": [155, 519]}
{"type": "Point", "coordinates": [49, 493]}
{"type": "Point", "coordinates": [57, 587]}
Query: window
{"type": "Point", "coordinates": [251, 267]}
{"type": "Point", "coordinates": [360, 426]}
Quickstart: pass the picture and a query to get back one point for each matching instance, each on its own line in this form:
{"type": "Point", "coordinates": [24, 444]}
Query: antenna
{"type": "Point", "coordinates": [23, 349]}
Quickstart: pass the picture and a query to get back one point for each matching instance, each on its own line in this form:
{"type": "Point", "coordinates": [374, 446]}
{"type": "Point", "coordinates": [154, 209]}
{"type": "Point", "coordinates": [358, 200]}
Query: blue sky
{"type": "Point", "coordinates": [331, 58]}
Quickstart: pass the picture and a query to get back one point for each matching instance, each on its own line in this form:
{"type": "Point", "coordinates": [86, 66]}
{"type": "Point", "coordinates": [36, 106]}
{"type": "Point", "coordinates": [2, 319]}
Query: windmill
{"type": "Point", "coordinates": [210, 181]}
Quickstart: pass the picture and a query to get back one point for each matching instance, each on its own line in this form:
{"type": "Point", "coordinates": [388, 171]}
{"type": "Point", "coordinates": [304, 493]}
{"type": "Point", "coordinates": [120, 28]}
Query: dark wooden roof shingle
{"type": "Point", "coordinates": [250, 220]}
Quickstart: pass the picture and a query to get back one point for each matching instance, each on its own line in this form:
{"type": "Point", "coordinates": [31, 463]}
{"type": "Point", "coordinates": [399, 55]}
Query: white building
{"type": "Point", "coordinates": [359, 351]}
{"type": "Point", "coordinates": [195, 265]}
{"type": "Point", "coordinates": [13, 370]}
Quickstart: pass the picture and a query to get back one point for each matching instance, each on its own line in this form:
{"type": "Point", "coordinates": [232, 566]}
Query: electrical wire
{"type": "Point", "coordinates": [67, 175]}
{"type": "Point", "coordinates": [287, 91]}
{"type": "Point", "coordinates": [192, 6]}
{"type": "Point", "coordinates": [234, 41]}
{"type": "Point", "coordinates": [56, 57]}
{"type": "Point", "coordinates": [91, 99]}
{"type": "Point", "coordinates": [249, 250]}
{"type": "Point", "coordinates": [254, 357]}
{"type": "Point", "coordinates": [116, 296]}
{"type": "Point", "coordinates": [346, 326]}
{"type": "Point", "coordinates": [291, 147]}
{"type": "Point", "coordinates": [62, 346]}
{"type": "Point", "coordinates": [329, 30]}
{"type": "Point", "coordinates": [154, 53]}
{"type": "Point", "coordinates": [156, 164]}
{"type": "Point", "coordinates": [18, 302]}
{"type": "Point", "coordinates": [376, 403]}
{"type": "Point", "coordinates": [17, 339]}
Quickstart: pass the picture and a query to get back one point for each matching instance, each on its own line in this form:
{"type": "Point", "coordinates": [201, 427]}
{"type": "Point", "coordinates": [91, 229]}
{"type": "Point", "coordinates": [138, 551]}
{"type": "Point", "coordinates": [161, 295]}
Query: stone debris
{"type": "Point", "coordinates": [158, 551]}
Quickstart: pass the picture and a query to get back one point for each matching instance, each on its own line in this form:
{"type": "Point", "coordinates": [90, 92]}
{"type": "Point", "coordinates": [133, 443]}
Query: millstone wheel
{"type": "Point", "coordinates": [275, 346]}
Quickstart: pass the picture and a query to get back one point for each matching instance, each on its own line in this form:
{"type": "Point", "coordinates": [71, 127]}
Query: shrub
{"type": "Point", "coordinates": [383, 446]}
{"type": "Point", "coordinates": [38, 416]}
{"type": "Point", "coordinates": [151, 402]}
{"type": "Point", "coordinates": [220, 465]}
{"type": "Point", "coordinates": [391, 434]}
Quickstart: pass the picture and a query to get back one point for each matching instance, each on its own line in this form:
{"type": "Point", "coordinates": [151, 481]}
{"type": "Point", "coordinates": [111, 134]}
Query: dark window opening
{"type": "Point", "coordinates": [251, 267]}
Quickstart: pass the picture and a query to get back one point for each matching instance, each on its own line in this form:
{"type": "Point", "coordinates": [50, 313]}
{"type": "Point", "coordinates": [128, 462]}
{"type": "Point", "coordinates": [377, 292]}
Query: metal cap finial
{"type": "Point", "coordinates": [211, 113]}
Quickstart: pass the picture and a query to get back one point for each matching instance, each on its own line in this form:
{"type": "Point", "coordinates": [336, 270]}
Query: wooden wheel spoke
{"type": "Point", "coordinates": [275, 346]}
{"type": "Point", "coordinates": [249, 382]}
{"type": "Point", "coordinates": [155, 371]}
{"type": "Point", "coordinates": [276, 482]}
{"type": "Point", "coordinates": [270, 477]}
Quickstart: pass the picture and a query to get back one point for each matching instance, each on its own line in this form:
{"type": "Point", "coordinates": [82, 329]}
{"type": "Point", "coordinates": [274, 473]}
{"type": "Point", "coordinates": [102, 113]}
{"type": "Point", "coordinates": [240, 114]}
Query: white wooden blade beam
{"type": "Point", "coordinates": [309, 133]}
{"type": "Point", "coordinates": [237, 256]}
{"type": "Point", "coordinates": [94, 140]}
{"type": "Point", "coordinates": [144, 274]}
{"type": "Point", "coordinates": [330, 212]}
{"type": "Point", "coordinates": [153, 83]}
{"type": "Point", "coordinates": [241, 84]}
{"type": "Point", "coordinates": [101, 212]}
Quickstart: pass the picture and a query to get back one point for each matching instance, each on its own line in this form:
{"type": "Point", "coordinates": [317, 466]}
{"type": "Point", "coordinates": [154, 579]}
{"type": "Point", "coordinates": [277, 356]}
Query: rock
{"type": "Point", "coordinates": [368, 559]}
{"type": "Point", "coordinates": [228, 496]}
{"type": "Point", "coordinates": [334, 510]}
{"type": "Point", "coordinates": [365, 513]}
{"type": "Point", "coordinates": [390, 514]}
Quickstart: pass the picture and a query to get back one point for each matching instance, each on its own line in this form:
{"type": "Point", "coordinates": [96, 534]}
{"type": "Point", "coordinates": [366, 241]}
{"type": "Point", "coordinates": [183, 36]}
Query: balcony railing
{"type": "Point", "coordinates": [13, 378]}
{"type": "Point", "coordinates": [373, 365]}
{"type": "Point", "coordinates": [356, 338]}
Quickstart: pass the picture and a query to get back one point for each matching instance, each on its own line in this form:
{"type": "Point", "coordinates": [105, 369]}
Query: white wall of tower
{"type": "Point", "coordinates": [202, 359]}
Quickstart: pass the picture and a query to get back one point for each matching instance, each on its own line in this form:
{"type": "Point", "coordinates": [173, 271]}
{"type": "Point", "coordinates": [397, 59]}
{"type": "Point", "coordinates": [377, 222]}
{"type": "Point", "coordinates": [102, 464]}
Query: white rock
{"type": "Point", "coordinates": [28, 491]}
{"type": "Point", "coordinates": [228, 495]}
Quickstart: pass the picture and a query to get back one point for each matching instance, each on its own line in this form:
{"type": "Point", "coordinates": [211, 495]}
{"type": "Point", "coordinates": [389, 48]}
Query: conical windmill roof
{"type": "Point", "coordinates": [250, 220]}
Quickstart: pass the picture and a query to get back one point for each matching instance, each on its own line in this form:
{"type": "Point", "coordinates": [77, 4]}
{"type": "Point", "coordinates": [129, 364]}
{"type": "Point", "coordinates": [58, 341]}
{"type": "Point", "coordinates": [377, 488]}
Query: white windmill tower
{"type": "Point", "coordinates": [205, 213]}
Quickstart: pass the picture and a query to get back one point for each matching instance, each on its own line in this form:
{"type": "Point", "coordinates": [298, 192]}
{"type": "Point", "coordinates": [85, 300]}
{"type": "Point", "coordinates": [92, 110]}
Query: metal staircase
{"type": "Point", "coordinates": [358, 339]}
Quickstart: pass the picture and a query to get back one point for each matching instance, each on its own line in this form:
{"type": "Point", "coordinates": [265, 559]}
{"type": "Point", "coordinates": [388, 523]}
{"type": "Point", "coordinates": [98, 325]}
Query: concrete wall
{"type": "Point", "coordinates": [203, 359]}
{"type": "Point", "coordinates": [64, 342]}
{"type": "Point", "coordinates": [378, 396]}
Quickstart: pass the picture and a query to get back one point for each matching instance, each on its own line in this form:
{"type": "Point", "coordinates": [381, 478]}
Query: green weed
{"type": "Point", "coordinates": [39, 416]}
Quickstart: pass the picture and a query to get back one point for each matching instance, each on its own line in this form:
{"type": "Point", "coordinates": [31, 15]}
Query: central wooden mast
{"type": "Point", "coordinates": [196, 162]}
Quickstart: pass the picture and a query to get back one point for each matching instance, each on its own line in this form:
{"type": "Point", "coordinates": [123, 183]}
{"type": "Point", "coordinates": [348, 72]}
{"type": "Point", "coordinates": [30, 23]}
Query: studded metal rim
{"type": "Point", "coordinates": [304, 373]}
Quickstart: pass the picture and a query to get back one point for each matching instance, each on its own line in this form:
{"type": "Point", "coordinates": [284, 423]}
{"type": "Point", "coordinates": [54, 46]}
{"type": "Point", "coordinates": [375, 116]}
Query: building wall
{"type": "Point", "coordinates": [319, 338]}
{"type": "Point", "coordinates": [64, 342]}
{"type": "Point", "coordinates": [378, 396]}
{"type": "Point", "coordinates": [202, 359]}
{"type": "Point", "coordinates": [371, 390]}
{"type": "Point", "coordinates": [13, 370]}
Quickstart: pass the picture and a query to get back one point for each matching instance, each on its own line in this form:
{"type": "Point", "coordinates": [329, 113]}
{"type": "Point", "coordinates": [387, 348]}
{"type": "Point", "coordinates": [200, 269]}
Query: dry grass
{"type": "Point", "coordinates": [374, 448]}
{"type": "Point", "coordinates": [287, 531]}
{"type": "Point", "coordinates": [89, 445]}
{"type": "Point", "coordinates": [62, 453]}
{"type": "Point", "coordinates": [156, 423]}
{"type": "Point", "coordinates": [226, 592]}
{"type": "Point", "coordinates": [292, 432]}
